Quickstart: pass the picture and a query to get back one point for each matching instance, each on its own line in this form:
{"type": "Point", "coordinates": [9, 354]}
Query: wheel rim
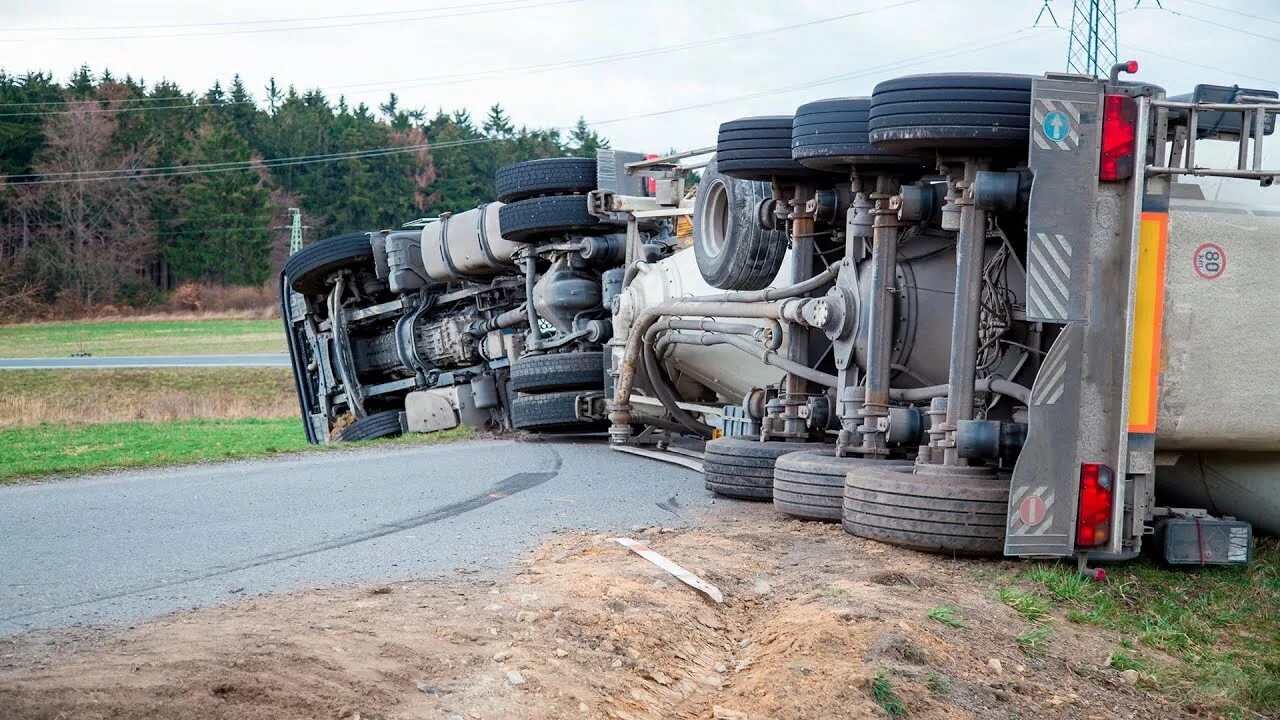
{"type": "Point", "coordinates": [716, 220]}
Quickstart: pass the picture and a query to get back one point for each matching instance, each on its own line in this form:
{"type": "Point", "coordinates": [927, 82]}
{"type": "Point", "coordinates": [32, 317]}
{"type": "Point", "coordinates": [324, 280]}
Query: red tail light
{"type": "Point", "coordinates": [1119, 133]}
{"type": "Point", "coordinates": [651, 183]}
{"type": "Point", "coordinates": [1097, 486]}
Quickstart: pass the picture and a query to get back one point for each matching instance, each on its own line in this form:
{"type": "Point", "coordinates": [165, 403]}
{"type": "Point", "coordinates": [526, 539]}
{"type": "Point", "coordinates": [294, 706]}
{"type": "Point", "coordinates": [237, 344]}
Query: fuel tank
{"type": "Point", "coordinates": [467, 245]}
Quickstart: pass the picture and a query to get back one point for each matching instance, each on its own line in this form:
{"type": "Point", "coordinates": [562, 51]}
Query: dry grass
{"type": "Point", "coordinates": [76, 397]}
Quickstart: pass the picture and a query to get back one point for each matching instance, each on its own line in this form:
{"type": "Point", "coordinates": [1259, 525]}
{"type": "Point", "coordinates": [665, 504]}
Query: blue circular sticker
{"type": "Point", "coordinates": [1056, 126]}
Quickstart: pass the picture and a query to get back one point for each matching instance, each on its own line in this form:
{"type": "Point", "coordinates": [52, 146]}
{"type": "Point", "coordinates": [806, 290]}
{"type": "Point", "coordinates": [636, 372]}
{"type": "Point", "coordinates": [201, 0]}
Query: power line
{"type": "Point", "coordinates": [1215, 68]}
{"type": "Point", "coordinates": [507, 5]}
{"type": "Point", "coordinates": [236, 166]}
{"type": "Point", "coordinates": [1223, 26]}
{"type": "Point", "coordinates": [1012, 37]}
{"type": "Point", "coordinates": [208, 168]}
{"type": "Point", "coordinates": [1241, 13]}
{"type": "Point", "coordinates": [248, 22]}
{"type": "Point", "coordinates": [437, 80]}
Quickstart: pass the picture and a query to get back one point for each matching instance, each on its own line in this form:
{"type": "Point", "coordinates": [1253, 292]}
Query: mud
{"type": "Point", "coordinates": [587, 629]}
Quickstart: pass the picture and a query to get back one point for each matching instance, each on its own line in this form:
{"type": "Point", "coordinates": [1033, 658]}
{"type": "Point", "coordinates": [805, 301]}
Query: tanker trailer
{"type": "Point", "coordinates": [1056, 395]}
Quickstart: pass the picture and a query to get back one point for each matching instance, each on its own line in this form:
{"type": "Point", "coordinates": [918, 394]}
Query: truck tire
{"type": "Point", "coordinates": [309, 267]}
{"type": "Point", "coordinates": [539, 218]}
{"type": "Point", "coordinates": [550, 412]}
{"type": "Point", "coordinates": [558, 371]}
{"type": "Point", "coordinates": [810, 484]}
{"type": "Point", "coordinates": [370, 427]}
{"type": "Point", "coordinates": [832, 135]}
{"type": "Point", "coordinates": [757, 148]}
{"type": "Point", "coordinates": [733, 251]}
{"type": "Point", "coordinates": [742, 467]}
{"type": "Point", "coordinates": [549, 176]}
{"type": "Point", "coordinates": [953, 513]}
{"type": "Point", "coordinates": [951, 111]}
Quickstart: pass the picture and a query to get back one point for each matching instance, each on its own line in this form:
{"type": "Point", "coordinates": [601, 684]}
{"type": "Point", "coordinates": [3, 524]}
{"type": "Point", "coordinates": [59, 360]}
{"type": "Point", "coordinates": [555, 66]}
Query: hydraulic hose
{"type": "Point", "coordinates": [667, 395]}
{"type": "Point", "coordinates": [995, 385]}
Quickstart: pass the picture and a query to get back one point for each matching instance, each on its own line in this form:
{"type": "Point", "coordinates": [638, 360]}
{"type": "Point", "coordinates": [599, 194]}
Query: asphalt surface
{"type": "Point", "coordinates": [110, 549]}
{"type": "Point", "coordinates": [144, 361]}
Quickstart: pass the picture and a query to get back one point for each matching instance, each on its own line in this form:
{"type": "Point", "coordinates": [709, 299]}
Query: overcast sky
{"type": "Point", "coordinates": [459, 54]}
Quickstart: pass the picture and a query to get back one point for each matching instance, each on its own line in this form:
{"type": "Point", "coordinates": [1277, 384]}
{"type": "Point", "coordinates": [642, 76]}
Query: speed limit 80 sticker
{"type": "Point", "coordinates": [1210, 261]}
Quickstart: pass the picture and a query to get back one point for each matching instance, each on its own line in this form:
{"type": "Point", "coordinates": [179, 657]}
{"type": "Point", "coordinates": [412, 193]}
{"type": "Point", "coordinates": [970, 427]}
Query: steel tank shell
{"type": "Point", "coordinates": [1221, 329]}
{"type": "Point", "coordinates": [467, 245]}
{"type": "Point", "coordinates": [1218, 412]}
{"type": "Point", "coordinates": [730, 372]}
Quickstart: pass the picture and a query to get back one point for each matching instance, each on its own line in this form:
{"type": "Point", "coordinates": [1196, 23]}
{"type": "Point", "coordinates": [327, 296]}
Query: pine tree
{"type": "Point", "coordinates": [585, 141]}
{"type": "Point", "coordinates": [226, 237]}
{"type": "Point", "coordinates": [497, 124]}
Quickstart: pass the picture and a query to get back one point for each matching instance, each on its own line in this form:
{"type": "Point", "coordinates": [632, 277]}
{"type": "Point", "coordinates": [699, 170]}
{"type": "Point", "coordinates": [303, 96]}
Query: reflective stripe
{"type": "Point", "coordinates": [1148, 319]}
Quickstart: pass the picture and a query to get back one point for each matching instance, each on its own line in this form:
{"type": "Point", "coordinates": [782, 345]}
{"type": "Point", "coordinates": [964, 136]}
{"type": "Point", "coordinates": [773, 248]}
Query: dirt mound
{"type": "Point", "coordinates": [816, 624]}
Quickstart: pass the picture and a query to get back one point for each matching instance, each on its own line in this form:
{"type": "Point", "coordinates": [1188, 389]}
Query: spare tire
{"type": "Point", "coordinates": [955, 510]}
{"type": "Point", "coordinates": [540, 218]}
{"type": "Point", "coordinates": [733, 251]}
{"type": "Point", "coordinates": [742, 467]}
{"type": "Point", "coordinates": [370, 427]}
{"type": "Point", "coordinates": [558, 371]}
{"type": "Point", "coordinates": [308, 268]}
{"type": "Point", "coordinates": [548, 176]}
{"type": "Point", "coordinates": [810, 484]}
{"type": "Point", "coordinates": [758, 148]}
{"type": "Point", "coordinates": [951, 111]}
{"type": "Point", "coordinates": [832, 135]}
{"type": "Point", "coordinates": [551, 412]}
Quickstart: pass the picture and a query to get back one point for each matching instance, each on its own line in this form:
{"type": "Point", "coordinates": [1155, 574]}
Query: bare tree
{"type": "Point", "coordinates": [92, 236]}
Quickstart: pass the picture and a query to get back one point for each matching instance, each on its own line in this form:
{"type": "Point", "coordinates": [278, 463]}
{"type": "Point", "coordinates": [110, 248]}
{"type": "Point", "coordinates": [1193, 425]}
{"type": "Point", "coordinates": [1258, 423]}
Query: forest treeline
{"type": "Point", "coordinates": [114, 191]}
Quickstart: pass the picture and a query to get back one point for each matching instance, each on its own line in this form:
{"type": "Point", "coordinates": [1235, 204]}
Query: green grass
{"type": "Point", "coordinates": [1024, 603]}
{"type": "Point", "coordinates": [938, 683]}
{"type": "Point", "coordinates": [211, 336]}
{"type": "Point", "coordinates": [947, 616]}
{"type": "Point", "coordinates": [1122, 660]}
{"type": "Point", "coordinates": [1218, 628]}
{"type": "Point", "coordinates": [50, 450]}
{"type": "Point", "coordinates": [1033, 641]}
{"type": "Point", "coordinates": [883, 693]}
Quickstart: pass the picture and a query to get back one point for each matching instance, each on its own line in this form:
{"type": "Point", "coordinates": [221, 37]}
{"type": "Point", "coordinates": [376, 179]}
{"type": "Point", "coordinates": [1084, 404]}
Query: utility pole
{"type": "Point", "coordinates": [1092, 50]}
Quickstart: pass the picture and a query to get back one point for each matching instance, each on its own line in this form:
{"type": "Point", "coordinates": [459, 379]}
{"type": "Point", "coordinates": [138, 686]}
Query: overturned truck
{"type": "Point", "coordinates": [971, 313]}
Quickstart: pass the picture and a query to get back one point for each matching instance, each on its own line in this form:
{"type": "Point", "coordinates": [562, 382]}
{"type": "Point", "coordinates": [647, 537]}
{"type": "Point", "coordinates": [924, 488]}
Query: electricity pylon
{"type": "Point", "coordinates": [1091, 50]}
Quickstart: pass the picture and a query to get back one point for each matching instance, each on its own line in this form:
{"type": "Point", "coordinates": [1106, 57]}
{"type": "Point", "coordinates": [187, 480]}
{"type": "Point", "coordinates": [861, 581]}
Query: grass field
{"type": "Point", "coordinates": [150, 336]}
{"type": "Point", "coordinates": [53, 449]}
{"type": "Point", "coordinates": [1206, 638]}
{"type": "Point", "coordinates": [76, 397]}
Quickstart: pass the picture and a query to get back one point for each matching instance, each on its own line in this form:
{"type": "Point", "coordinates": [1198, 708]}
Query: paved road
{"type": "Point", "coordinates": [144, 361]}
{"type": "Point", "coordinates": [116, 548]}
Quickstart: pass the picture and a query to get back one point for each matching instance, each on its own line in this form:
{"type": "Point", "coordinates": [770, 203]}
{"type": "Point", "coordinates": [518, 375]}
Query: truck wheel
{"type": "Point", "coordinates": [810, 484]}
{"type": "Point", "coordinates": [537, 218]}
{"type": "Point", "coordinates": [548, 176]}
{"type": "Point", "coordinates": [369, 427]}
{"type": "Point", "coordinates": [733, 251]}
{"type": "Point", "coordinates": [948, 510]}
{"type": "Point", "coordinates": [550, 412]}
{"type": "Point", "coordinates": [558, 371]}
{"type": "Point", "coordinates": [757, 148]}
{"type": "Point", "coordinates": [309, 267]}
{"type": "Point", "coordinates": [742, 467]}
{"type": "Point", "coordinates": [951, 111]}
{"type": "Point", "coordinates": [832, 135]}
